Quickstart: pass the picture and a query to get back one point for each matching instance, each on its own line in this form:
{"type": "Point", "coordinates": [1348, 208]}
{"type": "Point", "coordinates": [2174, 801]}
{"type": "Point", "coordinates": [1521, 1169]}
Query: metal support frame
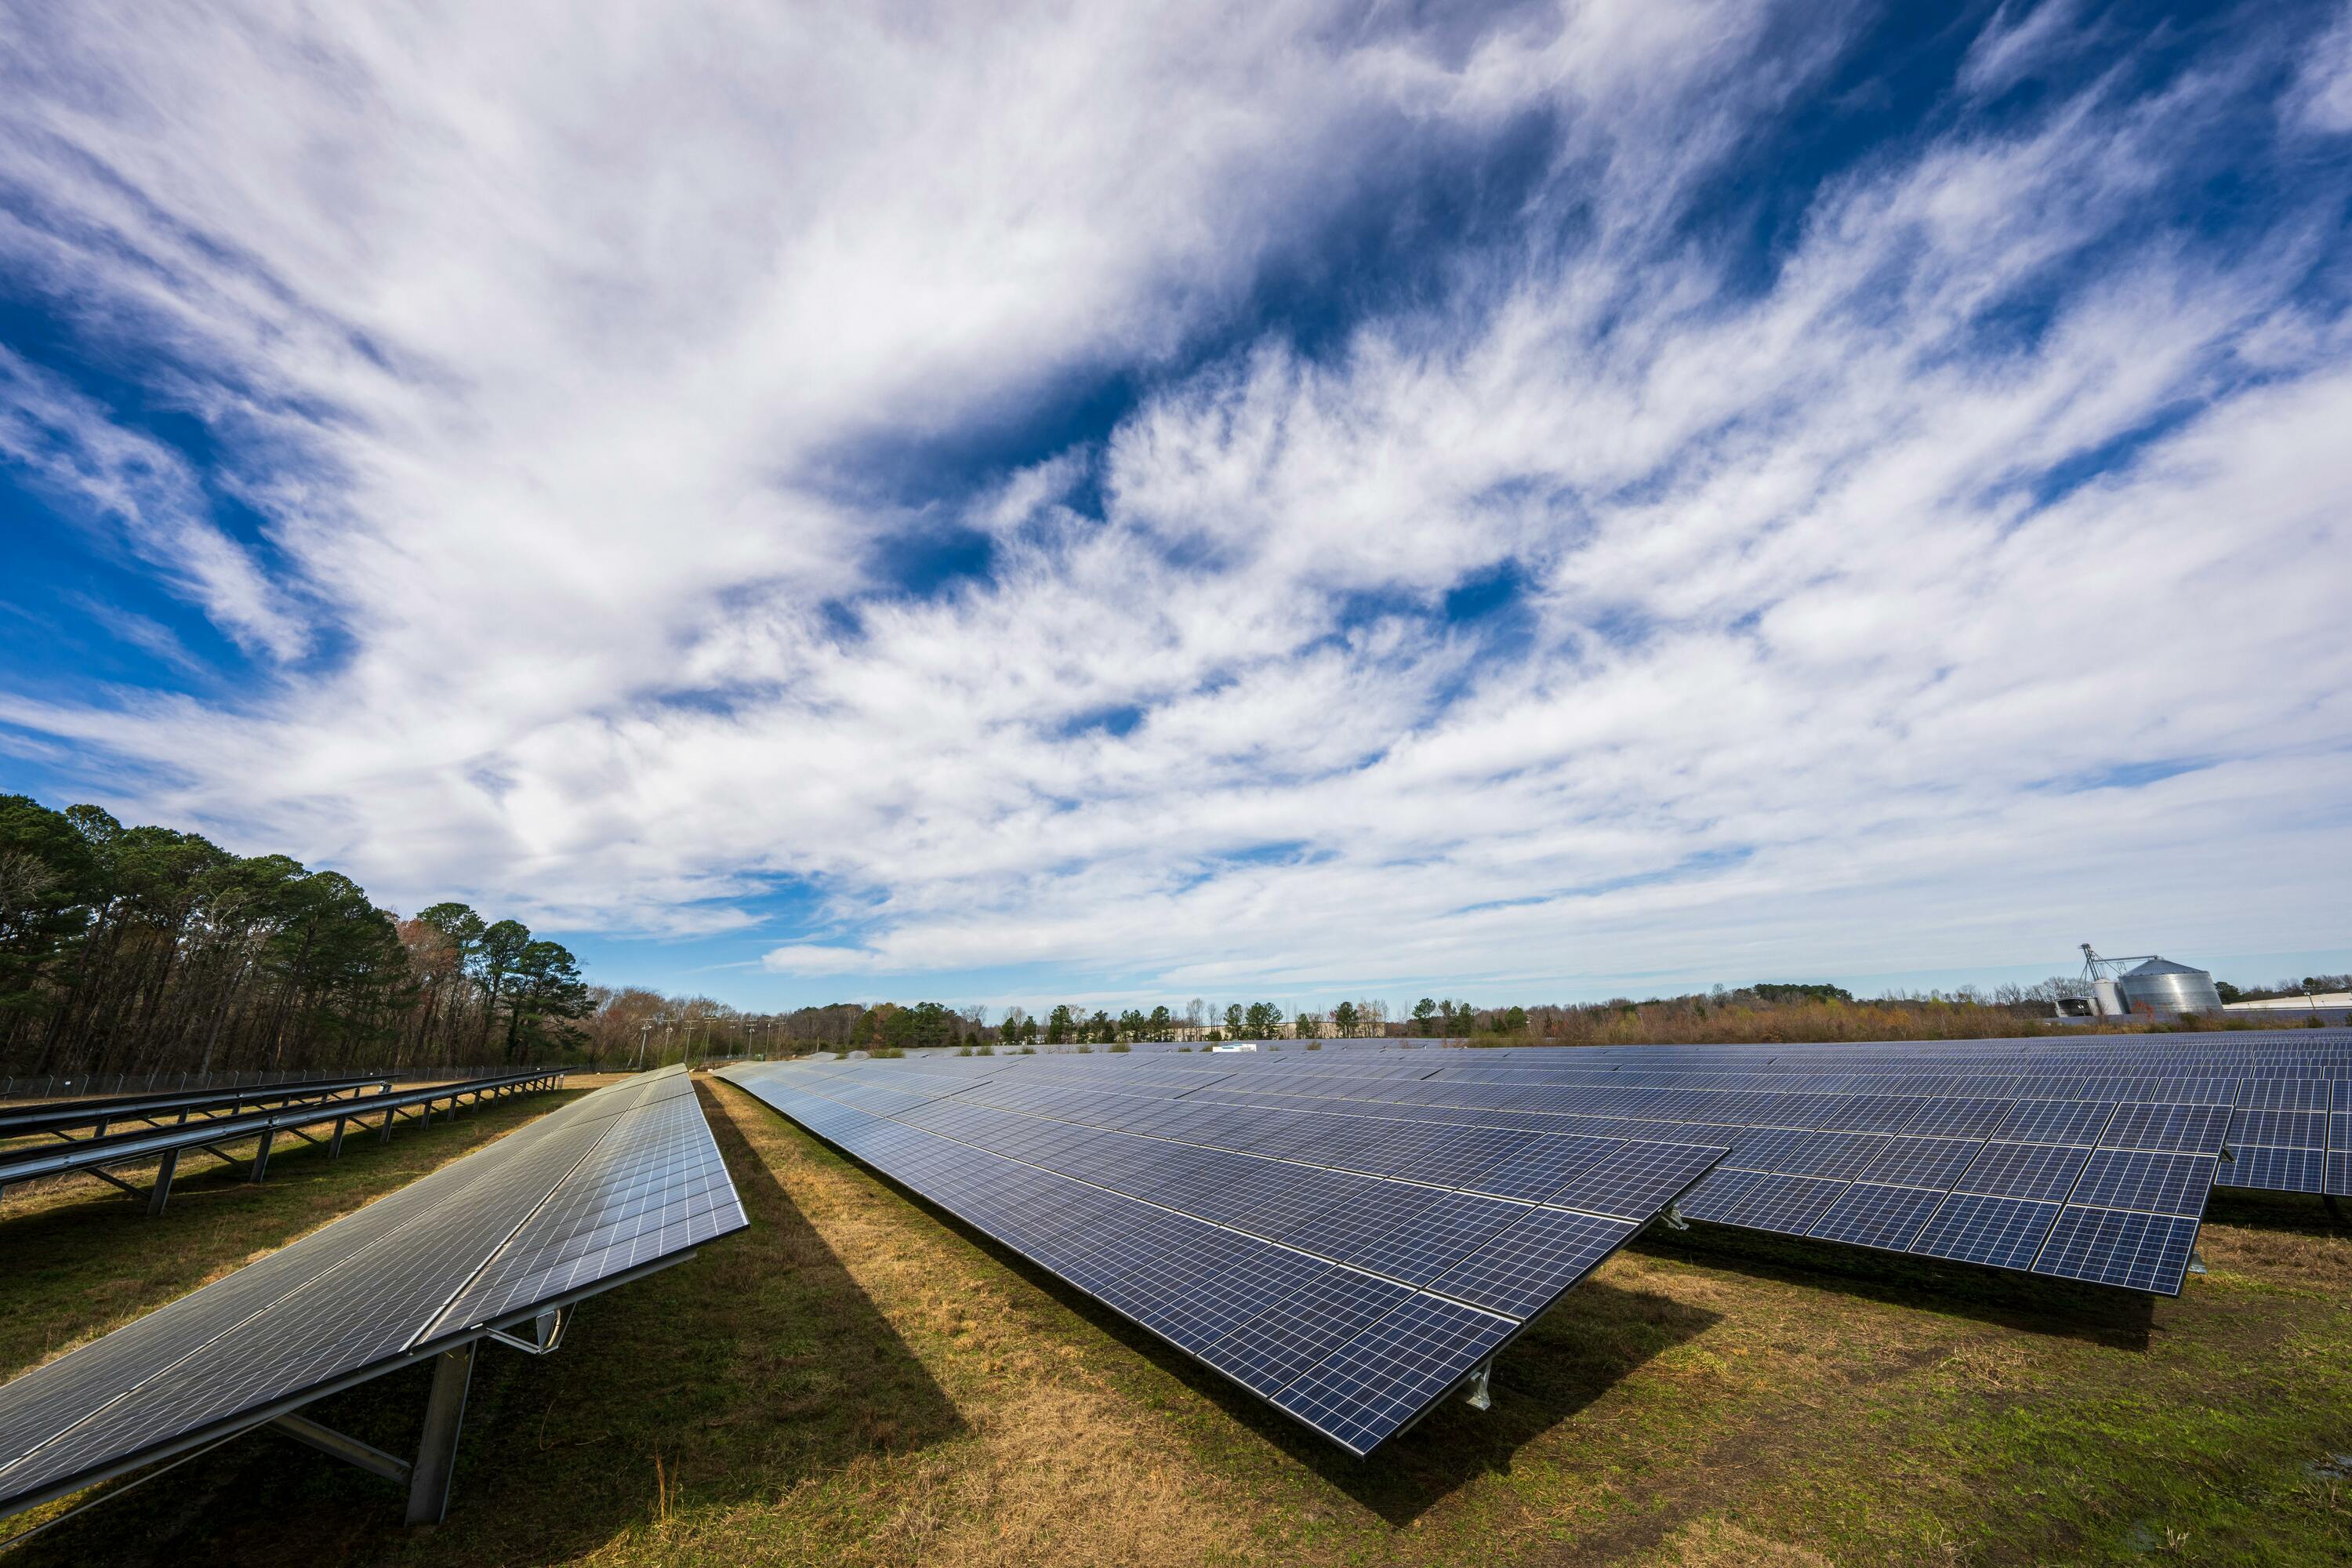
{"type": "Point", "coordinates": [546, 1333]}
{"type": "Point", "coordinates": [436, 1451]}
{"type": "Point", "coordinates": [261, 1155]}
{"type": "Point", "coordinates": [1477, 1394]}
{"type": "Point", "coordinates": [335, 1143]}
{"type": "Point", "coordinates": [161, 1194]}
{"type": "Point", "coordinates": [2196, 1262]}
{"type": "Point", "coordinates": [351, 1450]}
{"type": "Point", "coordinates": [113, 1180]}
{"type": "Point", "coordinates": [1672, 1215]}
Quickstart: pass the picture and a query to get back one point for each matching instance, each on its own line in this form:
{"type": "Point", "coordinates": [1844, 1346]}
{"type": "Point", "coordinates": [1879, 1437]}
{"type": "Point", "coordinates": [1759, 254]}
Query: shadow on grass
{"type": "Point", "coordinates": [2117, 1320]}
{"type": "Point", "coordinates": [2292, 1214]}
{"type": "Point", "coordinates": [1576, 1352]}
{"type": "Point", "coordinates": [756, 1366]}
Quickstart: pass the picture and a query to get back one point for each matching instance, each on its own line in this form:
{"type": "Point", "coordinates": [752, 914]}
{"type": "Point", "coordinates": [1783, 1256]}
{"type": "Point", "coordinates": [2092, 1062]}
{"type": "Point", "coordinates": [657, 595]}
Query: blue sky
{"type": "Point", "coordinates": [1290, 501]}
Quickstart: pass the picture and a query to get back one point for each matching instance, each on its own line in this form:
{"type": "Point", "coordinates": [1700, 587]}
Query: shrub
{"type": "Point", "coordinates": [1122, 1046]}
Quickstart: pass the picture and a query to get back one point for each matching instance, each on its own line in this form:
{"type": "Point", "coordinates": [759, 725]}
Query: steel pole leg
{"type": "Point", "coordinates": [163, 1175]}
{"type": "Point", "coordinates": [335, 1144]}
{"type": "Point", "coordinates": [261, 1156]}
{"type": "Point", "coordinates": [436, 1452]}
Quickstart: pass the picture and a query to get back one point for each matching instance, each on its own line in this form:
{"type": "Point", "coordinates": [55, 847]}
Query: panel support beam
{"type": "Point", "coordinates": [110, 1178]}
{"type": "Point", "coordinates": [327, 1440]}
{"type": "Point", "coordinates": [436, 1451]}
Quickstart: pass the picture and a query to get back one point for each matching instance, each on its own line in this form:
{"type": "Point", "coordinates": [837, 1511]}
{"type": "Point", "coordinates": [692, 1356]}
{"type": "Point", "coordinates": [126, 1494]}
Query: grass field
{"type": "Point", "coordinates": [858, 1380]}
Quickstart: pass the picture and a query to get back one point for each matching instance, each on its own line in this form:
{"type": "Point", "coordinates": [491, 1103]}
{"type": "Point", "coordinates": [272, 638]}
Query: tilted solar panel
{"type": "Point", "coordinates": [621, 1180]}
{"type": "Point", "coordinates": [1349, 1270]}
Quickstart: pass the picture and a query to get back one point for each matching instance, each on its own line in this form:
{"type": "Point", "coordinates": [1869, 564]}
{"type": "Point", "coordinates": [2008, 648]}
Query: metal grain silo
{"type": "Point", "coordinates": [2169, 989]}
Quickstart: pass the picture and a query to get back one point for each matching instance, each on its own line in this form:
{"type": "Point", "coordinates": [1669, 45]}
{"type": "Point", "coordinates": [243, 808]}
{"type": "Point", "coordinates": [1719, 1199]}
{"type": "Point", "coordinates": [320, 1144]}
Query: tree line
{"type": "Point", "coordinates": [147, 950]}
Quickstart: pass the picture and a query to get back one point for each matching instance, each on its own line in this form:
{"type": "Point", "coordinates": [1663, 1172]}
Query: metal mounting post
{"type": "Point", "coordinates": [436, 1451]}
{"type": "Point", "coordinates": [1672, 1215]}
{"type": "Point", "coordinates": [261, 1156]}
{"type": "Point", "coordinates": [2196, 1262]}
{"type": "Point", "coordinates": [1478, 1395]}
{"type": "Point", "coordinates": [161, 1194]}
{"type": "Point", "coordinates": [335, 1144]}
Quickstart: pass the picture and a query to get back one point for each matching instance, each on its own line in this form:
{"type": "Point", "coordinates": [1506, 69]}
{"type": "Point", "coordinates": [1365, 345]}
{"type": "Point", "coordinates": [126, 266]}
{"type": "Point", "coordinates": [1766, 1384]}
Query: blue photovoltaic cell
{"type": "Point", "coordinates": [2279, 1170]}
{"type": "Point", "coordinates": [2339, 1173]}
{"type": "Point", "coordinates": [2160, 1183]}
{"type": "Point", "coordinates": [2004, 1233]}
{"type": "Point", "coordinates": [2055, 1122]}
{"type": "Point", "coordinates": [1886, 1217]}
{"type": "Point", "coordinates": [1269, 1351]}
{"type": "Point", "coordinates": [2044, 1172]}
{"type": "Point", "coordinates": [1520, 1271]}
{"type": "Point", "coordinates": [2185, 1128]}
{"type": "Point", "coordinates": [2283, 1129]}
{"type": "Point", "coordinates": [2132, 1251]}
{"type": "Point", "coordinates": [1636, 1180]}
{"type": "Point", "coordinates": [1756, 1200]}
{"type": "Point", "coordinates": [1962, 1117]}
{"type": "Point", "coordinates": [1438, 1237]}
{"type": "Point", "coordinates": [1540, 1168]}
{"type": "Point", "coordinates": [2283, 1094]}
{"type": "Point", "coordinates": [1386, 1376]}
{"type": "Point", "coordinates": [1908, 1162]}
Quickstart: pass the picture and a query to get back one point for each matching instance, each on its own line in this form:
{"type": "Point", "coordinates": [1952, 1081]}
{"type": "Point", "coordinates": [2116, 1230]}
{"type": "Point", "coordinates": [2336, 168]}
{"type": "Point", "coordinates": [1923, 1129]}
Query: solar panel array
{"type": "Point", "coordinates": [1349, 1270]}
{"type": "Point", "coordinates": [143, 1143]}
{"type": "Point", "coordinates": [2070, 1158]}
{"type": "Point", "coordinates": [608, 1185]}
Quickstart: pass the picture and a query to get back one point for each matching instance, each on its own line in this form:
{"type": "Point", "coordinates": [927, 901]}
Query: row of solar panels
{"type": "Point", "coordinates": [1351, 1299]}
{"type": "Point", "coordinates": [163, 1143]}
{"type": "Point", "coordinates": [498, 1243]}
{"type": "Point", "coordinates": [2289, 1128]}
{"type": "Point", "coordinates": [2105, 1190]}
{"type": "Point", "coordinates": [63, 1117]}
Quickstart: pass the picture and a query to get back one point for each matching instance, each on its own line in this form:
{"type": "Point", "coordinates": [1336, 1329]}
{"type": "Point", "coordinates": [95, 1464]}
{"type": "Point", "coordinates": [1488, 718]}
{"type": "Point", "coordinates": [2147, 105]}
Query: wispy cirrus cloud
{"type": "Point", "coordinates": [1292, 497]}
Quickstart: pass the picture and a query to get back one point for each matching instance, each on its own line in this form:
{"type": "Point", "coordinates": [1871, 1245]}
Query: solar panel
{"type": "Point", "coordinates": [2003, 1233]}
{"type": "Point", "coordinates": [619, 1182]}
{"type": "Point", "coordinates": [1349, 1269]}
{"type": "Point", "coordinates": [1899, 1115]}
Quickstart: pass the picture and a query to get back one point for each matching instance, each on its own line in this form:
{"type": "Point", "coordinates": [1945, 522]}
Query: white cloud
{"type": "Point", "coordinates": [562, 375]}
{"type": "Point", "coordinates": [2322, 98]}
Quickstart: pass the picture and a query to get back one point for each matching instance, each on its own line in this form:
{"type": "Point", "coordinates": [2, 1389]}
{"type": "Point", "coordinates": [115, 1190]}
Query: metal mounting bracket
{"type": "Point", "coordinates": [1479, 1396]}
{"type": "Point", "coordinates": [546, 1333]}
{"type": "Point", "coordinates": [1672, 1215]}
{"type": "Point", "coordinates": [2196, 1262]}
{"type": "Point", "coordinates": [327, 1440]}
